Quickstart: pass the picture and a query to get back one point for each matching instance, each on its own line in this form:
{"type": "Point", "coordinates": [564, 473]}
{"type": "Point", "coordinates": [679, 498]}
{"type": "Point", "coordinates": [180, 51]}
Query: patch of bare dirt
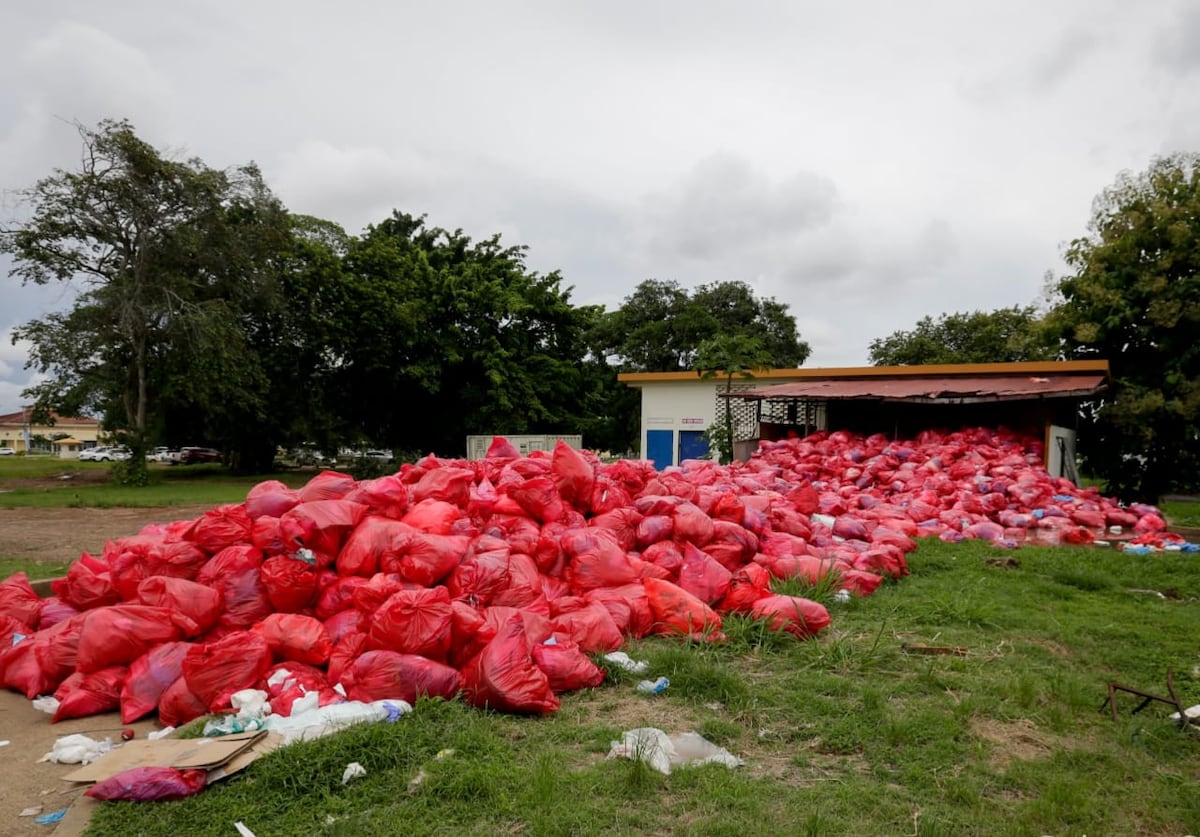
{"type": "Point", "coordinates": [1016, 740]}
{"type": "Point", "coordinates": [60, 535]}
{"type": "Point", "coordinates": [48, 536]}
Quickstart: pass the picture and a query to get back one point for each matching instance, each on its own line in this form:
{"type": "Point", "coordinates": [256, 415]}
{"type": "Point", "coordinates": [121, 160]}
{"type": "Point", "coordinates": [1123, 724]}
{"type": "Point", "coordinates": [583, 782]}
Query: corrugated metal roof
{"type": "Point", "coordinates": [956, 370]}
{"type": "Point", "coordinates": [936, 388]}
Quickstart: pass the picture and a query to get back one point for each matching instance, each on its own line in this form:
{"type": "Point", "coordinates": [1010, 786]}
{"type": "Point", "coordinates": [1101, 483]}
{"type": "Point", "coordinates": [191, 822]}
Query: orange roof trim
{"type": "Point", "coordinates": [941, 370]}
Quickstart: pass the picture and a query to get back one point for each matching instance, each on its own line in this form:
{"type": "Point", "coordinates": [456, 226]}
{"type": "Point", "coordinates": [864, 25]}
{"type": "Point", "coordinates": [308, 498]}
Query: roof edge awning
{"type": "Point", "coordinates": [936, 389]}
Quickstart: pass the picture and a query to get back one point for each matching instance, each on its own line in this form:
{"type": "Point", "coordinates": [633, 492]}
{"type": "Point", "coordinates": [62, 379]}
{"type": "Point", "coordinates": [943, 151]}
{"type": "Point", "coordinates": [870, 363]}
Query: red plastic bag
{"type": "Point", "coordinates": [573, 476]}
{"type": "Point", "coordinates": [414, 622]}
{"type": "Point", "coordinates": [448, 484]}
{"type": "Point", "coordinates": [178, 705]}
{"type": "Point", "coordinates": [746, 586]}
{"type": "Point", "coordinates": [215, 670]}
{"type": "Point", "coordinates": [219, 528]}
{"type": "Point", "coordinates": [373, 542]}
{"type": "Point", "coordinates": [119, 634]}
{"type": "Point", "coordinates": [538, 497]}
{"type": "Point", "coordinates": [596, 560]}
{"type": "Point", "coordinates": [796, 615]}
{"type": "Point", "coordinates": [702, 576]}
{"type": "Point", "coordinates": [270, 498]}
{"type": "Point", "coordinates": [290, 584]}
{"type": "Point", "coordinates": [591, 627]}
{"type": "Point", "coordinates": [292, 636]}
{"type": "Point", "coordinates": [18, 600]}
{"type": "Point", "coordinates": [627, 605]}
{"type": "Point", "coordinates": [348, 649]}
{"type": "Point", "coordinates": [87, 584]}
{"type": "Point", "coordinates": [386, 496]}
{"type": "Point", "coordinates": [234, 572]}
{"type": "Point", "coordinates": [81, 695]}
{"type": "Point", "coordinates": [54, 610]}
{"type": "Point", "coordinates": [504, 676]}
{"type": "Point", "coordinates": [566, 667]}
{"type": "Point", "coordinates": [327, 485]}
{"type": "Point", "coordinates": [382, 674]}
{"type": "Point", "coordinates": [428, 558]}
{"type": "Point", "coordinates": [436, 517]}
{"type": "Point", "coordinates": [321, 526]}
{"type": "Point", "coordinates": [149, 676]}
{"type": "Point", "coordinates": [677, 612]}
{"type": "Point", "coordinates": [194, 607]}
{"type": "Point", "coordinates": [149, 784]}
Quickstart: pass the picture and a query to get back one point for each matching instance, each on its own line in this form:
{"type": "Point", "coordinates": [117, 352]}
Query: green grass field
{"type": "Point", "coordinates": [846, 734]}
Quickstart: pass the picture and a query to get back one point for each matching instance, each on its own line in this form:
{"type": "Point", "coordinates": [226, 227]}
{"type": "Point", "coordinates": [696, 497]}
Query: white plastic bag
{"type": "Point", "coordinates": [663, 752]}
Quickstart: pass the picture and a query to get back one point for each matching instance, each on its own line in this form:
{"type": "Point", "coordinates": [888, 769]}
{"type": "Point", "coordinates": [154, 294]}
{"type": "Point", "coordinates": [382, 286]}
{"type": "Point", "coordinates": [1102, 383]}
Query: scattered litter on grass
{"type": "Point", "coordinates": [165, 732]}
{"type": "Point", "coordinates": [1192, 713]}
{"type": "Point", "coordinates": [314, 723]}
{"type": "Point", "coordinates": [422, 775]}
{"type": "Point", "coordinates": [242, 830]}
{"type": "Point", "coordinates": [31, 812]}
{"type": "Point", "coordinates": [842, 596]}
{"type": "Point", "coordinates": [933, 650]}
{"type": "Point", "coordinates": [353, 770]}
{"type": "Point", "coordinates": [77, 749]}
{"type": "Point", "coordinates": [51, 818]}
{"type": "Point", "coordinates": [664, 752]}
{"type": "Point", "coordinates": [626, 663]}
{"type": "Point", "coordinates": [653, 687]}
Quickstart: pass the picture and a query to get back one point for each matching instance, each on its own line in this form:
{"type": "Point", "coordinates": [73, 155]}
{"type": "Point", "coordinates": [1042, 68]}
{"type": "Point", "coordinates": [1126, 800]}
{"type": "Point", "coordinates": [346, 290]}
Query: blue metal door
{"type": "Point", "coordinates": [692, 445]}
{"type": "Point", "coordinates": [660, 447]}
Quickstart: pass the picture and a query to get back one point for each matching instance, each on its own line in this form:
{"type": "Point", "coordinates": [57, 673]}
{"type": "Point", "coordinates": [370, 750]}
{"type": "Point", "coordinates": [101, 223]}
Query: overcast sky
{"type": "Point", "coordinates": [866, 163]}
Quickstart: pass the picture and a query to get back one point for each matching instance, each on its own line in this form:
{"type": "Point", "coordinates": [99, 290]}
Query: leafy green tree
{"type": "Point", "coordinates": [660, 326]}
{"type": "Point", "coordinates": [1133, 297]}
{"type": "Point", "coordinates": [727, 356]}
{"type": "Point", "coordinates": [445, 337]}
{"type": "Point", "coordinates": [1003, 335]}
{"type": "Point", "coordinates": [169, 258]}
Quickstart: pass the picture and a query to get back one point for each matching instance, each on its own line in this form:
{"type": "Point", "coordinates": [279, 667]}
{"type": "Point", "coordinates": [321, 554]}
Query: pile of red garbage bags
{"type": "Point", "coordinates": [496, 579]}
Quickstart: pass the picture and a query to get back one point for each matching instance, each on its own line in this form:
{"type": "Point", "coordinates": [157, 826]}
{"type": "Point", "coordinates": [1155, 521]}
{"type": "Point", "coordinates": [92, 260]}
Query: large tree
{"type": "Point", "coordinates": [450, 337]}
{"type": "Point", "coordinates": [660, 326]}
{"type": "Point", "coordinates": [1003, 335]}
{"type": "Point", "coordinates": [1132, 296]}
{"type": "Point", "coordinates": [169, 258]}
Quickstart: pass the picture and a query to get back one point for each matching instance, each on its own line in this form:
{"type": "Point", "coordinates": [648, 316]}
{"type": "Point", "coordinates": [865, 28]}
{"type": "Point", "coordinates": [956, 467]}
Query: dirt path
{"type": "Point", "coordinates": [56, 535]}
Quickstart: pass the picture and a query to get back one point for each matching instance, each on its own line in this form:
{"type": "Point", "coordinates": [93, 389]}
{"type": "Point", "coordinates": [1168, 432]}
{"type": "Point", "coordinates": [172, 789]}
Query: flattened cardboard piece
{"type": "Point", "coordinates": [181, 753]}
{"type": "Point", "coordinates": [269, 743]}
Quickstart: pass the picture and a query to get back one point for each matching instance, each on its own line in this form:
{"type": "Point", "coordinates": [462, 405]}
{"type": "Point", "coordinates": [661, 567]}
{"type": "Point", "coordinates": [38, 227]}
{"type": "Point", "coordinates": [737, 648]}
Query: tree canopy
{"type": "Point", "coordinates": [1003, 335]}
{"type": "Point", "coordinates": [660, 326]}
{"type": "Point", "coordinates": [169, 257]}
{"type": "Point", "coordinates": [206, 313]}
{"type": "Point", "coordinates": [1132, 296]}
{"type": "Point", "coordinates": [726, 356]}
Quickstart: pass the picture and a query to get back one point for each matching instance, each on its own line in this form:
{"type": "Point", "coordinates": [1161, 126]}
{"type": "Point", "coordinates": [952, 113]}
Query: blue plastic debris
{"type": "Point", "coordinates": [51, 818]}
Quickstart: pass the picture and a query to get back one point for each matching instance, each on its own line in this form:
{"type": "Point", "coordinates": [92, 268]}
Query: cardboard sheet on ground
{"type": "Point", "coordinates": [221, 756]}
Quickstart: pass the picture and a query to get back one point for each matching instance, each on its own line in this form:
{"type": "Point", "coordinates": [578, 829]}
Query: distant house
{"type": "Point", "coordinates": [21, 433]}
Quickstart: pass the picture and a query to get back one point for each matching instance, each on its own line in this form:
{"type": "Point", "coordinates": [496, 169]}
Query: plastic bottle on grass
{"type": "Point", "coordinates": [653, 687]}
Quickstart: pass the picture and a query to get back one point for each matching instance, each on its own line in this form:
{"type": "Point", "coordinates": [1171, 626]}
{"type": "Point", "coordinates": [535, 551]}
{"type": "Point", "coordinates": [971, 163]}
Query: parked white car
{"type": "Point", "coordinates": [7, 452]}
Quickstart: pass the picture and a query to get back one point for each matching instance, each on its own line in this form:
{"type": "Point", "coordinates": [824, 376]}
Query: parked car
{"type": "Point", "coordinates": [96, 454]}
{"type": "Point", "coordinates": [383, 455]}
{"type": "Point", "coordinates": [8, 452]}
{"type": "Point", "coordinates": [190, 455]}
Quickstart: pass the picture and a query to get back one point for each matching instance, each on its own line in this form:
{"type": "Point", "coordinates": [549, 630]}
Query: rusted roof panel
{"type": "Point", "coordinates": [951, 388]}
